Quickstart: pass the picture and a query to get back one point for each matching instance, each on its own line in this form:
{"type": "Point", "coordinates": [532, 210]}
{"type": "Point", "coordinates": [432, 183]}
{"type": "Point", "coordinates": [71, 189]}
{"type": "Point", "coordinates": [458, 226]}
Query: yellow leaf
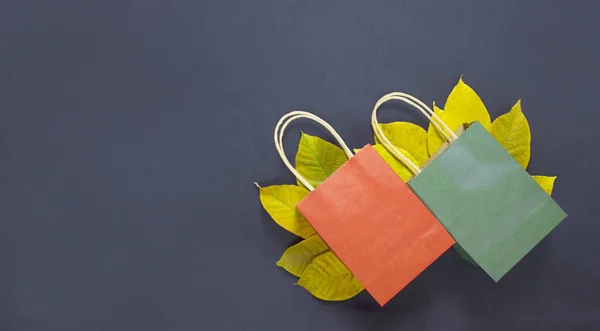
{"type": "Point", "coordinates": [546, 182]}
{"type": "Point", "coordinates": [512, 132]}
{"type": "Point", "coordinates": [317, 159]}
{"type": "Point", "coordinates": [297, 258]}
{"type": "Point", "coordinates": [410, 137]}
{"type": "Point", "coordinates": [399, 168]}
{"type": "Point", "coordinates": [462, 106]}
{"type": "Point", "coordinates": [434, 138]}
{"type": "Point", "coordinates": [280, 202]}
{"type": "Point", "coordinates": [327, 278]}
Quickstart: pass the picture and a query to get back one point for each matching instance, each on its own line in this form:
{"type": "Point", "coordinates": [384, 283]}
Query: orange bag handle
{"type": "Point", "coordinates": [278, 137]}
{"type": "Point", "coordinates": [420, 106]}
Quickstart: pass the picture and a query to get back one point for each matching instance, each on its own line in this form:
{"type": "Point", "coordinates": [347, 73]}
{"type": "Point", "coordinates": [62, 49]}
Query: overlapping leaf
{"type": "Point", "coordinates": [409, 137]}
{"type": "Point", "coordinates": [297, 258]}
{"type": "Point", "coordinates": [462, 106]}
{"type": "Point", "coordinates": [280, 202]}
{"type": "Point", "coordinates": [317, 159]}
{"type": "Point", "coordinates": [546, 182]}
{"type": "Point", "coordinates": [512, 132]}
{"type": "Point", "coordinates": [434, 137]}
{"type": "Point", "coordinates": [327, 278]}
{"type": "Point", "coordinates": [399, 168]}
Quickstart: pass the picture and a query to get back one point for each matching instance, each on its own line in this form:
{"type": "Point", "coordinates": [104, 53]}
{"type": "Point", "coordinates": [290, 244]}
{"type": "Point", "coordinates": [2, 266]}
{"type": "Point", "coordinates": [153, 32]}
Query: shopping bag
{"type": "Point", "coordinates": [370, 219]}
{"type": "Point", "coordinates": [489, 204]}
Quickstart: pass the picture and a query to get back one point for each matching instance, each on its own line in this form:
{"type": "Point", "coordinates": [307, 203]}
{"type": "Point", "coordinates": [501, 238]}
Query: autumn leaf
{"type": "Point", "coordinates": [280, 202]}
{"type": "Point", "coordinates": [297, 258]}
{"type": "Point", "coordinates": [434, 138]}
{"type": "Point", "coordinates": [511, 130]}
{"type": "Point", "coordinates": [462, 106]}
{"type": "Point", "coordinates": [409, 137]}
{"type": "Point", "coordinates": [399, 168]}
{"type": "Point", "coordinates": [327, 278]}
{"type": "Point", "coordinates": [317, 159]}
{"type": "Point", "coordinates": [546, 182]}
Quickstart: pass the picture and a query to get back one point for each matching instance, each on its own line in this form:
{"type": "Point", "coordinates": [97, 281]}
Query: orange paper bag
{"type": "Point", "coordinates": [370, 219]}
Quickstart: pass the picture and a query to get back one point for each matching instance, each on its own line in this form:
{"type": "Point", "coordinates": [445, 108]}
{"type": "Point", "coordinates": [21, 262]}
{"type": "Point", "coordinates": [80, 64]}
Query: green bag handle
{"type": "Point", "coordinates": [278, 138]}
{"type": "Point", "coordinates": [420, 106]}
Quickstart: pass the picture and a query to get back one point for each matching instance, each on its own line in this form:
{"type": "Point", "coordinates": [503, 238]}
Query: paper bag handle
{"type": "Point", "coordinates": [420, 106]}
{"type": "Point", "coordinates": [278, 137]}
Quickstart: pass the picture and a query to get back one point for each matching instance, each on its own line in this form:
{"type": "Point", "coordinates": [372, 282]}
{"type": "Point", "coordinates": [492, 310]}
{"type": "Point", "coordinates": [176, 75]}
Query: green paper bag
{"type": "Point", "coordinates": [491, 206]}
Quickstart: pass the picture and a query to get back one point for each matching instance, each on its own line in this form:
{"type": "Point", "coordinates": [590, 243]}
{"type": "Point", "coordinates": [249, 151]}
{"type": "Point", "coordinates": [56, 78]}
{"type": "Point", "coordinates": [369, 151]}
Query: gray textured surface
{"type": "Point", "coordinates": [131, 133]}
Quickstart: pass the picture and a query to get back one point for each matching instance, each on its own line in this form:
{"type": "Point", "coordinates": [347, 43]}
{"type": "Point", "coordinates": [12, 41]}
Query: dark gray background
{"type": "Point", "coordinates": [131, 133]}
